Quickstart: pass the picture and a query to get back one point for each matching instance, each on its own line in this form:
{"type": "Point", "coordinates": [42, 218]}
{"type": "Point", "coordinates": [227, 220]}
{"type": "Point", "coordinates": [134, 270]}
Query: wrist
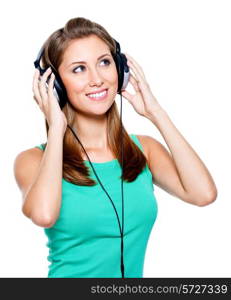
{"type": "Point", "coordinates": [57, 130]}
{"type": "Point", "coordinates": [156, 113]}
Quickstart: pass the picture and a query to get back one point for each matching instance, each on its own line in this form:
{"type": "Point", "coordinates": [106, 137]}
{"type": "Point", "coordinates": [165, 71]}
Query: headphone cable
{"type": "Point", "coordinates": [121, 229]}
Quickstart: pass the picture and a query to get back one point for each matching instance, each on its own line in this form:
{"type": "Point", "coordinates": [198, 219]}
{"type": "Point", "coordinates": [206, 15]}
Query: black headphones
{"type": "Point", "coordinates": [59, 88]}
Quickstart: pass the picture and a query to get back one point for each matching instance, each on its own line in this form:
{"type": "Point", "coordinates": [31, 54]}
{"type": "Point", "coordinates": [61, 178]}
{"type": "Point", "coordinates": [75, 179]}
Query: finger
{"type": "Point", "coordinates": [40, 106]}
{"type": "Point", "coordinates": [137, 75]}
{"type": "Point", "coordinates": [127, 95]}
{"type": "Point", "coordinates": [51, 86]}
{"type": "Point", "coordinates": [134, 83]}
{"type": "Point", "coordinates": [43, 86]}
{"type": "Point", "coordinates": [134, 76]}
{"type": "Point", "coordinates": [135, 63]}
{"type": "Point", "coordinates": [35, 88]}
{"type": "Point", "coordinates": [131, 62]}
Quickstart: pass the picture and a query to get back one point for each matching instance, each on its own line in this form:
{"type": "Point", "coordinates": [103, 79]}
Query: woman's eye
{"type": "Point", "coordinates": [74, 70]}
{"type": "Point", "coordinates": [105, 60]}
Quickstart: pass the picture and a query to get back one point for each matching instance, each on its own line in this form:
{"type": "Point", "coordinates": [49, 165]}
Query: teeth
{"type": "Point", "coordinates": [97, 95]}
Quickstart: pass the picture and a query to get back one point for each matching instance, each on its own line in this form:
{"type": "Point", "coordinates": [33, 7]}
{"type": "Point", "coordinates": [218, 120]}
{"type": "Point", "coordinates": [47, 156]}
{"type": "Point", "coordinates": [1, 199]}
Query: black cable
{"type": "Point", "coordinates": [122, 190]}
{"type": "Point", "coordinates": [121, 229]}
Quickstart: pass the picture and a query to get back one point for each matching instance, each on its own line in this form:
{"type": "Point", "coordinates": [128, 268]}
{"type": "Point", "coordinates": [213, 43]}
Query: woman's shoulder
{"type": "Point", "coordinates": [152, 147]}
{"type": "Point", "coordinates": [30, 153]}
{"type": "Point", "coordinates": [26, 165]}
{"type": "Point", "coordinates": [28, 157]}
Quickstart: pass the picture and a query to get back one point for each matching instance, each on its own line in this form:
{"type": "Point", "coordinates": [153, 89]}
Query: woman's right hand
{"type": "Point", "coordinates": [47, 101]}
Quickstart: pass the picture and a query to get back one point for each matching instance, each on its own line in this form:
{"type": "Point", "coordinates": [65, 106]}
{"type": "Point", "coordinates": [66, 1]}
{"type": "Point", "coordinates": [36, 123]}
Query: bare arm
{"type": "Point", "coordinates": [182, 172]}
{"type": "Point", "coordinates": [39, 174]}
{"type": "Point", "coordinates": [41, 182]}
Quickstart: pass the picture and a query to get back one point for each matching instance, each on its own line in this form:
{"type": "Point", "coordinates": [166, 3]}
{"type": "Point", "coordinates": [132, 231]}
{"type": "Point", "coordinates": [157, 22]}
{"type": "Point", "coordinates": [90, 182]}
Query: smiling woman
{"type": "Point", "coordinates": [83, 54]}
{"type": "Point", "coordinates": [90, 76]}
{"type": "Point", "coordinates": [60, 191]}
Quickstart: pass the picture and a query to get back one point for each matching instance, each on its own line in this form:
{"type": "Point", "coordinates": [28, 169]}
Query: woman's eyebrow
{"type": "Point", "coordinates": [83, 62]}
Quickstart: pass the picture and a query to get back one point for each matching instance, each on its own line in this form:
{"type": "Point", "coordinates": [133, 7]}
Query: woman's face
{"type": "Point", "coordinates": [88, 67]}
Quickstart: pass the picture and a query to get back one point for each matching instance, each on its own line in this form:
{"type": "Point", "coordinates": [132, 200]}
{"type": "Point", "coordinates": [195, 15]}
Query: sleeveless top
{"type": "Point", "coordinates": [85, 240]}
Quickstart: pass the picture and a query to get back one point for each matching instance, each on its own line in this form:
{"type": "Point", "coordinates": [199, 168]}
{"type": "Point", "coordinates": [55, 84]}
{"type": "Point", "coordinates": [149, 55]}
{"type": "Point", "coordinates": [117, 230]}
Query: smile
{"type": "Point", "coordinates": [98, 96]}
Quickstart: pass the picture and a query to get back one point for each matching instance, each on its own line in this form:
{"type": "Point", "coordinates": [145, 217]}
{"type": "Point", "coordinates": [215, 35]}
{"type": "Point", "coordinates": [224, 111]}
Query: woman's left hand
{"type": "Point", "coordinates": [143, 100]}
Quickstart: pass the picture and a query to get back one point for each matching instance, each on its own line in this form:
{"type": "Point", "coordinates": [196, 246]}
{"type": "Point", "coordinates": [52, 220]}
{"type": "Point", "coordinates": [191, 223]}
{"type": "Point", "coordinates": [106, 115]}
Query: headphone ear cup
{"type": "Point", "coordinates": [119, 68]}
{"type": "Point", "coordinates": [59, 90]}
{"type": "Point", "coordinates": [122, 68]}
{"type": "Point", "coordinates": [126, 71]}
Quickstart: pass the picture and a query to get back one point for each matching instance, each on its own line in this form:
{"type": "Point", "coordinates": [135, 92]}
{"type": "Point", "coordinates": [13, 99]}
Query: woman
{"type": "Point", "coordinates": [61, 184]}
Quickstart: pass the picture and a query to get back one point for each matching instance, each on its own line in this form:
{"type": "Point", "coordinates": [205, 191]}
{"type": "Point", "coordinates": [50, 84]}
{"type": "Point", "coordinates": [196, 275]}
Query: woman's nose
{"type": "Point", "coordinates": [94, 77]}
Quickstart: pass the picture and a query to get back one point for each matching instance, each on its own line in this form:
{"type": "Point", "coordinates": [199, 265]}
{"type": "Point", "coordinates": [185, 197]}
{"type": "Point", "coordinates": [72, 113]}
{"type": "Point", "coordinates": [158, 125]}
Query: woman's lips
{"type": "Point", "coordinates": [103, 97]}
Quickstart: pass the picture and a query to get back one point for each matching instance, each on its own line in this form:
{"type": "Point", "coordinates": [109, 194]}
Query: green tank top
{"type": "Point", "coordinates": [85, 240]}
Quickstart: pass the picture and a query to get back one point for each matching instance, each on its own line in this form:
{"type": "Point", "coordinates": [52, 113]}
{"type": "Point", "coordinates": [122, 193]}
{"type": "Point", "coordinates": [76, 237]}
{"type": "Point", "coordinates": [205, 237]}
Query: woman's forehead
{"type": "Point", "coordinates": [84, 49]}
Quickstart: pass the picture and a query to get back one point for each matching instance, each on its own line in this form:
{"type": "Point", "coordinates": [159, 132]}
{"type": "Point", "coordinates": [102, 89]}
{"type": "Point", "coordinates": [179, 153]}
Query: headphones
{"type": "Point", "coordinates": [59, 88]}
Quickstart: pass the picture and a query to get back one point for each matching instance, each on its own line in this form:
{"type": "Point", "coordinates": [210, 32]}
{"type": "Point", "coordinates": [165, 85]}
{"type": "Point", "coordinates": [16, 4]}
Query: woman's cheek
{"type": "Point", "coordinates": [76, 87]}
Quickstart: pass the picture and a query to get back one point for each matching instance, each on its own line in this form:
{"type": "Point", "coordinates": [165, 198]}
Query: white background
{"type": "Point", "coordinates": [184, 49]}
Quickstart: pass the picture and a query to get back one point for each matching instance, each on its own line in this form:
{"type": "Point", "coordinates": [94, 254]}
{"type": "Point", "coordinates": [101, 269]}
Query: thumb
{"type": "Point", "coordinates": [127, 95]}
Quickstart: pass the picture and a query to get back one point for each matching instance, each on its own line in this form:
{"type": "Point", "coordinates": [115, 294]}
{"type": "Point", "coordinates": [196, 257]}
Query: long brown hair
{"type": "Point", "coordinates": [74, 169]}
